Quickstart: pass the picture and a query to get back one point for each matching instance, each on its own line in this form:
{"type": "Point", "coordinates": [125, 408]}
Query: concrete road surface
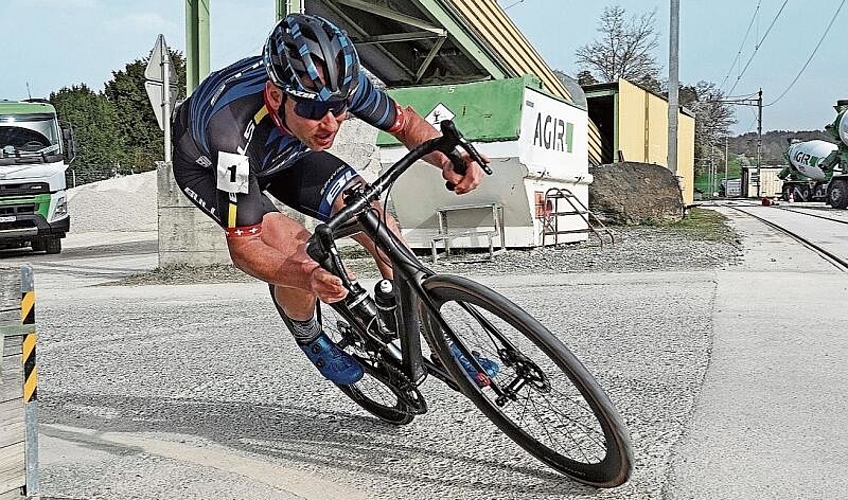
{"type": "Point", "coordinates": [731, 382]}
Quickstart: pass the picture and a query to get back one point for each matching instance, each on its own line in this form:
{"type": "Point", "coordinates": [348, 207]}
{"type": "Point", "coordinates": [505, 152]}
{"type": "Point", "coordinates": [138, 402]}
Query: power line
{"type": "Point", "coordinates": [513, 4]}
{"type": "Point", "coordinates": [757, 47]}
{"type": "Point", "coordinates": [744, 39]}
{"type": "Point", "coordinates": [811, 55]}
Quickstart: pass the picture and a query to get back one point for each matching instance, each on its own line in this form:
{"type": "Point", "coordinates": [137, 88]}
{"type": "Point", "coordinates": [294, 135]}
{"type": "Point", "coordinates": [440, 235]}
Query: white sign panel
{"type": "Point", "coordinates": [154, 93]}
{"type": "Point", "coordinates": [439, 113]}
{"type": "Point", "coordinates": [554, 136]}
{"type": "Point", "coordinates": [154, 71]}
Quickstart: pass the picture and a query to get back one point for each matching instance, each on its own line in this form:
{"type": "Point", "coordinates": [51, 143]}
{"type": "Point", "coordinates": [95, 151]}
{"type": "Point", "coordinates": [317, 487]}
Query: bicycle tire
{"type": "Point", "coordinates": [375, 380]}
{"type": "Point", "coordinates": [372, 392]}
{"type": "Point", "coordinates": [611, 465]}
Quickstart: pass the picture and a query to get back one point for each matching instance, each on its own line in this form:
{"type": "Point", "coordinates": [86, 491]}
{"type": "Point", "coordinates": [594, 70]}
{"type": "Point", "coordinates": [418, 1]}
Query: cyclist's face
{"type": "Point", "coordinates": [319, 134]}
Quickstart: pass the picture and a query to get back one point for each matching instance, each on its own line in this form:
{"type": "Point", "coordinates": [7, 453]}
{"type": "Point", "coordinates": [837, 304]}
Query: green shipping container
{"type": "Point", "coordinates": [487, 111]}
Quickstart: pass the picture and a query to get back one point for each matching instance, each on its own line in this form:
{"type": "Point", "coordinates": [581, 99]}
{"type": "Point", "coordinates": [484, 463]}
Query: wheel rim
{"type": "Point", "coordinates": [549, 409]}
{"type": "Point", "coordinates": [371, 392]}
{"type": "Point", "coordinates": [837, 193]}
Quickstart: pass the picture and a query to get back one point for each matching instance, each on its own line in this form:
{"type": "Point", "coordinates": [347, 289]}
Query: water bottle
{"type": "Point", "coordinates": [384, 296]}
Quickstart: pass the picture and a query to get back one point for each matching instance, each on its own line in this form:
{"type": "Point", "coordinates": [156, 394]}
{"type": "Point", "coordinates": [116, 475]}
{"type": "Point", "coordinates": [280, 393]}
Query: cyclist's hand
{"type": "Point", "coordinates": [464, 183]}
{"type": "Point", "coordinates": [327, 286]}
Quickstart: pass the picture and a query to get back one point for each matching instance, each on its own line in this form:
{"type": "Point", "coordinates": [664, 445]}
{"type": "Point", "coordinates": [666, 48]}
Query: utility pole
{"type": "Point", "coordinates": [759, 137]}
{"type": "Point", "coordinates": [673, 84]}
{"type": "Point", "coordinates": [726, 159]}
{"type": "Point", "coordinates": [758, 102]}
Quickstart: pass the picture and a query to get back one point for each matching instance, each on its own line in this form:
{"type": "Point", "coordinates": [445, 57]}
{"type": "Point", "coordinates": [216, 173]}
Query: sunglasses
{"type": "Point", "coordinates": [316, 110]}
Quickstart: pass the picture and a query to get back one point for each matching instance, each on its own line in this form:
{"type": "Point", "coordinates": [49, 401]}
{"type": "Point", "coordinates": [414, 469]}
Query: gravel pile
{"type": "Point", "coordinates": [124, 204]}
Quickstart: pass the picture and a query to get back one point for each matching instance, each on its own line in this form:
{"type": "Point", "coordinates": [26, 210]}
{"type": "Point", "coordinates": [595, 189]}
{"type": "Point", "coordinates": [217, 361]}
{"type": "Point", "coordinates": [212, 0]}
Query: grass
{"type": "Point", "coordinates": [705, 225]}
{"type": "Point", "coordinates": [734, 171]}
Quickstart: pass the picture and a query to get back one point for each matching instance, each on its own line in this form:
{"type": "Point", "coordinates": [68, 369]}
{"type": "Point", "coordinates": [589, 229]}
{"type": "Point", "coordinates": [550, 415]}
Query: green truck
{"type": "Point", "coordinates": [35, 151]}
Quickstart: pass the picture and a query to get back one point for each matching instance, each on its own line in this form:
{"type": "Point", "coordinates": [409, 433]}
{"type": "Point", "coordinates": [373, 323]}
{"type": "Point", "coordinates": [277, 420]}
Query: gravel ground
{"type": "Point", "coordinates": [643, 248]}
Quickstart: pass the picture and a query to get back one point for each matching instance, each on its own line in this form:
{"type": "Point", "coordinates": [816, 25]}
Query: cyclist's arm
{"type": "Point", "coordinates": [289, 267]}
{"type": "Point", "coordinates": [283, 262]}
{"type": "Point", "coordinates": [415, 130]}
{"type": "Point", "coordinates": [375, 107]}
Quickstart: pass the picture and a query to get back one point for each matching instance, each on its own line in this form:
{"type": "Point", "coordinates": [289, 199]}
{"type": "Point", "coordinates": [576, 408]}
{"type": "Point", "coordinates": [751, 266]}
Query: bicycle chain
{"type": "Point", "coordinates": [407, 392]}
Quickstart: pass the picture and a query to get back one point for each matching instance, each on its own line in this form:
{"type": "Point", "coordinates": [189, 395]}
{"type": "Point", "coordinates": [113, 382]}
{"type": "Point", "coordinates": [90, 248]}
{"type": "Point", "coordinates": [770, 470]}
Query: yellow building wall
{"type": "Point", "coordinates": [643, 133]}
{"type": "Point", "coordinates": [686, 156]}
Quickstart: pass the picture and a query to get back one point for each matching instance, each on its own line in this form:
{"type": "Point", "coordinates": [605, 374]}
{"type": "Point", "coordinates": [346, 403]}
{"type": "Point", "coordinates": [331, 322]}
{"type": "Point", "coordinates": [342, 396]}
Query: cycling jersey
{"type": "Point", "coordinates": [228, 145]}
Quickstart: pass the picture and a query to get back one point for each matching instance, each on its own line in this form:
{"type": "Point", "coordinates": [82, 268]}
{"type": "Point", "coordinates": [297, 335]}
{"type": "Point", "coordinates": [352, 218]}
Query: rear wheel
{"type": "Point", "coordinates": [543, 398]}
{"type": "Point", "coordinates": [381, 390]}
{"type": "Point", "coordinates": [787, 188]}
{"type": "Point", "coordinates": [838, 193]}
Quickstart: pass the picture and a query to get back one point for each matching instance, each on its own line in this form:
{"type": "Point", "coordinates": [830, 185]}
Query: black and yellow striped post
{"type": "Point", "coordinates": [30, 378]}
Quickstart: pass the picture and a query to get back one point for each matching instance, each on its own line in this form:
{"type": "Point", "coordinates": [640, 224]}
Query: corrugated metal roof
{"type": "Point", "coordinates": [436, 42]}
{"type": "Point", "coordinates": [505, 42]}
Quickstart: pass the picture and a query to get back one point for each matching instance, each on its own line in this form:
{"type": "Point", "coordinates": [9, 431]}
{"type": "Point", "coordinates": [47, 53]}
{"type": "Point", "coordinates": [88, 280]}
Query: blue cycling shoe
{"type": "Point", "coordinates": [334, 364]}
{"type": "Point", "coordinates": [482, 379]}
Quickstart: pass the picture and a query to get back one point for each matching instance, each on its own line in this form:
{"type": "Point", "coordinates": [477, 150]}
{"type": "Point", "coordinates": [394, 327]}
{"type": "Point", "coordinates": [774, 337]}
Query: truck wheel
{"type": "Point", "coordinates": [53, 245]}
{"type": "Point", "coordinates": [786, 190]}
{"type": "Point", "coordinates": [38, 245]}
{"type": "Point", "coordinates": [838, 196]}
{"type": "Point", "coordinates": [804, 193]}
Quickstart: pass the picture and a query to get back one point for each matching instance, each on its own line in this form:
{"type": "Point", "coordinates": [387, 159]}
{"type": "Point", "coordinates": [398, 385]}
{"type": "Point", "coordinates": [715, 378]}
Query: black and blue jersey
{"type": "Point", "coordinates": [226, 120]}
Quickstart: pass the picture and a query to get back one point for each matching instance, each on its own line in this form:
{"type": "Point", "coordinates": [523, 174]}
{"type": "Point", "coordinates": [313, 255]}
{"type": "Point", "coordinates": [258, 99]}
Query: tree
{"type": "Point", "coordinates": [95, 129]}
{"type": "Point", "coordinates": [143, 138]}
{"type": "Point", "coordinates": [624, 49]}
{"type": "Point", "coordinates": [585, 78]}
{"type": "Point", "coordinates": [713, 117]}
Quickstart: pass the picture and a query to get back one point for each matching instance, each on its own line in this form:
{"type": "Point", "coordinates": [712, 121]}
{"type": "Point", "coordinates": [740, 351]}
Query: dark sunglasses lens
{"type": "Point", "coordinates": [315, 110]}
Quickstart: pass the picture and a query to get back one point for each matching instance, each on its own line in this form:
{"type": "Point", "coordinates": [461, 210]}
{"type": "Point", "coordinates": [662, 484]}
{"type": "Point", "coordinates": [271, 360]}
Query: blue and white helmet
{"type": "Point", "coordinates": [295, 49]}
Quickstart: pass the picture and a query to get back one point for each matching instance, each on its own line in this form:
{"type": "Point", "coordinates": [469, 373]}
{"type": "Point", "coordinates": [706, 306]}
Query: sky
{"type": "Point", "coordinates": [51, 44]}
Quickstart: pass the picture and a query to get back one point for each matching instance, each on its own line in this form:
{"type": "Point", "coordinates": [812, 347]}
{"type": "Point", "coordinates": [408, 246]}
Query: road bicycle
{"type": "Point", "coordinates": [520, 375]}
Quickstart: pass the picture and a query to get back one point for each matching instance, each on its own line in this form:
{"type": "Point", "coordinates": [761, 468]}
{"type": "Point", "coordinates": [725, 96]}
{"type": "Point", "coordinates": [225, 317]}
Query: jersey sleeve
{"type": "Point", "coordinates": [375, 107]}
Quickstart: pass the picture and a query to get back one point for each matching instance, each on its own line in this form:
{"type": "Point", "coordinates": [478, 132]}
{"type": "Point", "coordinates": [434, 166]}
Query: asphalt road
{"type": "Point", "coordinates": [197, 391]}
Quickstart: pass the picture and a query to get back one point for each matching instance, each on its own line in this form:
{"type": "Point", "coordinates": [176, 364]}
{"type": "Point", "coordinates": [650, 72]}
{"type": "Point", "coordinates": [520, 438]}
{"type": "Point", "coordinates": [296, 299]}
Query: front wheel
{"type": "Point", "coordinates": [537, 392]}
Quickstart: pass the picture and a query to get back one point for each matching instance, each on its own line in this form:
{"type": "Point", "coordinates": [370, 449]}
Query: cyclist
{"type": "Point", "coordinates": [263, 125]}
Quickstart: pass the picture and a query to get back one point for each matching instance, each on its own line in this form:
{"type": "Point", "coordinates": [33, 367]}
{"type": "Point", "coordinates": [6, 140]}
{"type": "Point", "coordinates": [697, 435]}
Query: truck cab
{"type": "Point", "coordinates": [35, 151]}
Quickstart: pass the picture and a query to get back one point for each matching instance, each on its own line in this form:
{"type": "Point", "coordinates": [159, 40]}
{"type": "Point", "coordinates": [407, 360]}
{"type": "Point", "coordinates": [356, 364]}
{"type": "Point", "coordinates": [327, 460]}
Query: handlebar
{"type": "Point", "coordinates": [320, 245]}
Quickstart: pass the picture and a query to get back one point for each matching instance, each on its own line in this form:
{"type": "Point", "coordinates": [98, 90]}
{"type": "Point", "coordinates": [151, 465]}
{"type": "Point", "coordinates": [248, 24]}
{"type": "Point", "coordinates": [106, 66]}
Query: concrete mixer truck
{"type": "Point", "coordinates": [818, 170]}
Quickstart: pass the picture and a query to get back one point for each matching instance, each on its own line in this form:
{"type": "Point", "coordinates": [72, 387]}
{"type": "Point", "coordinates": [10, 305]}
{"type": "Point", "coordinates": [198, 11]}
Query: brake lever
{"type": "Point", "coordinates": [455, 155]}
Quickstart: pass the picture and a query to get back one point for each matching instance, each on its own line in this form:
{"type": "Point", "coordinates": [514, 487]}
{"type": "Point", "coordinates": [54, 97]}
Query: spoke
{"type": "Point", "coordinates": [590, 432]}
{"type": "Point", "coordinates": [566, 431]}
{"type": "Point", "coordinates": [554, 442]}
{"type": "Point", "coordinates": [524, 409]}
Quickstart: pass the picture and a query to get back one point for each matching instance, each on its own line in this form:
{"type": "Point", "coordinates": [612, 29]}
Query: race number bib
{"type": "Point", "coordinates": [233, 171]}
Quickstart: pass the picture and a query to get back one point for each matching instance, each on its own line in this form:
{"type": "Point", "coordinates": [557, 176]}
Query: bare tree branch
{"type": "Point", "coordinates": [624, 49]}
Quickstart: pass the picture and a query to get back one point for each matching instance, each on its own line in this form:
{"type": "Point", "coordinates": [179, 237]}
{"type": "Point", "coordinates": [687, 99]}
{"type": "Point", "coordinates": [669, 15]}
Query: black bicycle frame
{"type": "Point", "coordinates": [409, 272]}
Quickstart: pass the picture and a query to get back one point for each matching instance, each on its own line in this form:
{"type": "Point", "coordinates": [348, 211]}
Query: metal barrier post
{"type": "Point", "coordinates": [30, 380]}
